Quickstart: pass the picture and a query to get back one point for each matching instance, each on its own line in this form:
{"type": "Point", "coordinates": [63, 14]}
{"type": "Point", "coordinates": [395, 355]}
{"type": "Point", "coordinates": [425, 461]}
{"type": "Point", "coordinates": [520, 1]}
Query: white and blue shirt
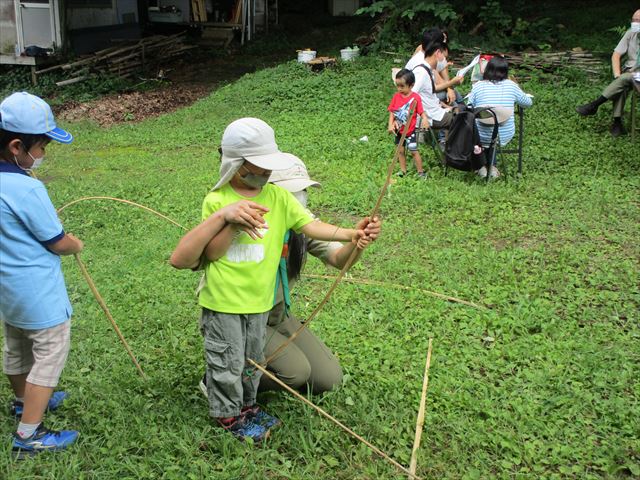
{"type": "Point", "coordinates": [498, 94]}
{"type": "Point", "coordinates": [33, 294]}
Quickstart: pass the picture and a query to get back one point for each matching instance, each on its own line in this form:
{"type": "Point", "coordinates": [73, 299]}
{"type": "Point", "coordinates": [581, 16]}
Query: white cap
{"type": "Point", "coordinates": [253, 140]}
{"type": "Point", "coordinates": [249, 139]}
{"type": "Point", "coordinates": [294, 179]}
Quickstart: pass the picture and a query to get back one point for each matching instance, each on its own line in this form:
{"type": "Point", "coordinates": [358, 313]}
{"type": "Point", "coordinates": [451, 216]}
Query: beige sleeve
{"type": "Point", "coordinates": [623, 44]}
{"type": "Point", "coordinates": [322, 249]}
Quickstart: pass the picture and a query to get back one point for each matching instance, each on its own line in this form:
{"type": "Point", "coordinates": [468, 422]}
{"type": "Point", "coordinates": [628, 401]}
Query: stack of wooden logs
{"type": "Point", "coordinates": [548, 61]}
{"type": "Point", "coordinates": [124, 61]}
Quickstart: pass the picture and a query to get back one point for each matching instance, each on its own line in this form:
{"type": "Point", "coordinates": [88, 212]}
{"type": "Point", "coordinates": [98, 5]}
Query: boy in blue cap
{"type": "Point", "coordinates": [34, 306]}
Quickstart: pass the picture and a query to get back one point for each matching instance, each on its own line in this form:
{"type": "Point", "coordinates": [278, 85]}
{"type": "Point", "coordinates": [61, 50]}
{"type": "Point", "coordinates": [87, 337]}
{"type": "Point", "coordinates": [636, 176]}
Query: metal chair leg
{"type": "Point", "coordinates": [520, 137]}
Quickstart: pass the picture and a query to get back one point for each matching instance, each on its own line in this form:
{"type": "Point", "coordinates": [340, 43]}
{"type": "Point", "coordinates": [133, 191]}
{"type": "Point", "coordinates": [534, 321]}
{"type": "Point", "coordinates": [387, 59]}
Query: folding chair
{"type": "Point", "coordinates": [502, 115]}
{"type": "Point", "coordinates": [635, 96]}
{"type": "Point", "coordinates": [430, 136]}
{"type": "Point", "coordinates": [520, 132]}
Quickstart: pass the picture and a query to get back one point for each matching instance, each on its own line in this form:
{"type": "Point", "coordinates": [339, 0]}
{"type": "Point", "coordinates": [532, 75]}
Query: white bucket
{"type": "Point", "coordinates": [348, 54]}
{"type": "Point", "coordinates": [305, 56]}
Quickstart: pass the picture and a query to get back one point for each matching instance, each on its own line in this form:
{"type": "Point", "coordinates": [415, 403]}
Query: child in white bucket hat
{"type": "Point", "coordinates": [240, 257]}
{"type": "Point", "coordinates": [34, 305]}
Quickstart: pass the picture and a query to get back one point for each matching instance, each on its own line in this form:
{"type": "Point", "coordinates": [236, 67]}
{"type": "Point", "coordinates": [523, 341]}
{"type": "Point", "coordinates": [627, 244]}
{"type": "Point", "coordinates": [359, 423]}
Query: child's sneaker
{"type": "Point", "coordinates": [261, 417]}
{"type": "Point", "coordinates": [203, 386]}
{"type": "Point", "coordinates": [422, 175]}
{"type": "Point", "coordinates": [243, 427]}
{"type": "Point", "coordinates": [43, 440]}
{"type": "Point", "coordinates": [401, 174]}
{"type": "Point", "coordinates": [16, 407]}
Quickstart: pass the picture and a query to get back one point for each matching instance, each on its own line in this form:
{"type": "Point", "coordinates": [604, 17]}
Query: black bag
{"type": "Point", "coordinates": [463, 150]}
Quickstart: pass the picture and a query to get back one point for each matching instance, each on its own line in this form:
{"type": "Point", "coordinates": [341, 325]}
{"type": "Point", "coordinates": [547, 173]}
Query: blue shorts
{"type": "Point", "coordinates": [410, 141]}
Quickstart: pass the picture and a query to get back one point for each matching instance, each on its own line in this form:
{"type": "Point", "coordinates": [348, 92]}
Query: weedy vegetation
{"type": "Point", "coordinates": [543, 384]}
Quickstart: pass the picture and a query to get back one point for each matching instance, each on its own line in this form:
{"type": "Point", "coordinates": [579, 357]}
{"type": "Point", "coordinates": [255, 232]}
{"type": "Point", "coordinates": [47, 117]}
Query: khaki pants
{"type": "Point", "coordinates": [445, 122]}
{"type": "Point", "coordinates": [305, 361]}
{"type": "Point", "coordinates": [617, 92]}
{"type": "Point", "coordinates": [229, 340]}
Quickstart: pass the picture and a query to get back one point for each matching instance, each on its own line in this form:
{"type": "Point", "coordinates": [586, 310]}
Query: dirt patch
{"type": "Point", "coordinates": [134, 106]}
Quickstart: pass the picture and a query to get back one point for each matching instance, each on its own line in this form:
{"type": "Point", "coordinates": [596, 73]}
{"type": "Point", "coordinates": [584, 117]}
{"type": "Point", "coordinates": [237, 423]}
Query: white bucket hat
{"type": "Point", "coordinates": [294, 179]}
{"type": "Point", "coordinates": [250, 139]}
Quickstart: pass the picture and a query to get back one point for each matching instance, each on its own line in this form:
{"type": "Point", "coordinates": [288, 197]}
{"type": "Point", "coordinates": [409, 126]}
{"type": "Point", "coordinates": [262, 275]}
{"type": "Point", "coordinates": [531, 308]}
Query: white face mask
{"type": "Point", "coordinates": [635, 27]}
{"type": "Point", "coordinates": [301, 196]}
{"type": "Point", "coordinates": [36, 161]}
{"type": "Point", "coordinates": [442, 64]}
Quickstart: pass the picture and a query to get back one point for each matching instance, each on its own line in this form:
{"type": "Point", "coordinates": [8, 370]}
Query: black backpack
{"type": "Point", "coordinates": [463, 139]}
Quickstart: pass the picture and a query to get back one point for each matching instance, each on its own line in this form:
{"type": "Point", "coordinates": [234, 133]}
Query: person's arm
{"type": "Point", "coordinates": [391, 127]}
{"type": "Point", "coordinates": [522, 98]}
{"type": "Point", "coordinates": [244, 215]}
{"type": "Point", "coordinates": [67, 245]}
{"type": "Point", "coordinates": [218, 245]}
{"type": "Point", "coordinates": [338, 258]}
{"type": "Point", "coordinates": [325, 231]}
{"type": "Point", "coordinates": [451, 93]}
{"type": "Point", "coordinates": [616, 64]}
{"type": "Point", "coordinates": [425, 121]}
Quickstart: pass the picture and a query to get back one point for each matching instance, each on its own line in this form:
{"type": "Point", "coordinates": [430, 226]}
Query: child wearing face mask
{"type": "Point", "coordinates": [34, 305]}
{"type": "Point", "coordinates": [402, 102]}
{"type": "Point", "coordinates": [240, 264]}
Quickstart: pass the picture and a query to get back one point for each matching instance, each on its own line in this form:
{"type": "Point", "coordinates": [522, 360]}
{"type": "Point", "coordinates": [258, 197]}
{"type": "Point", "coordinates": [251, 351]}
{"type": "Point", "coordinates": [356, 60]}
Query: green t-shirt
{"type": "Point", "coordinates": [243, 280]}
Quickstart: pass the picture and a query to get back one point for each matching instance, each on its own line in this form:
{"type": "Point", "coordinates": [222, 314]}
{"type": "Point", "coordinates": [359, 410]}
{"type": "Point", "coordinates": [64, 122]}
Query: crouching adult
{"type": "Point", "coordinates": [306, 362]}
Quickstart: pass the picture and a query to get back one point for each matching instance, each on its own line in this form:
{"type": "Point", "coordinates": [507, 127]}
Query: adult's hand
{"type": "Point", "coordinates": [367, 231]}
{"type": "Point", "coordinates": [457, 80]}
{"type": "Point", "coordinates": [451, 95]}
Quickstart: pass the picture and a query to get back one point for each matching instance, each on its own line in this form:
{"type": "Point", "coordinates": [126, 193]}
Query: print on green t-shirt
{"type": "Point", "coordinates": [243, 280]}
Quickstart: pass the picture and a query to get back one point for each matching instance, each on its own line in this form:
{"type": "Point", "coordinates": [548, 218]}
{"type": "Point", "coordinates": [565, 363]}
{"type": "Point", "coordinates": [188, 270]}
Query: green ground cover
{"type": "Point", "coordinates": [544, 384]}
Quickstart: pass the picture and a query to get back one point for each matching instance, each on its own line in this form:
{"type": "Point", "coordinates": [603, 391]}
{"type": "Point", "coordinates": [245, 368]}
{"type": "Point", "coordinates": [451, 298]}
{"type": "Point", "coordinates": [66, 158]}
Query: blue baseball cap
{"type": "Point", "coordinates": [22, 112]}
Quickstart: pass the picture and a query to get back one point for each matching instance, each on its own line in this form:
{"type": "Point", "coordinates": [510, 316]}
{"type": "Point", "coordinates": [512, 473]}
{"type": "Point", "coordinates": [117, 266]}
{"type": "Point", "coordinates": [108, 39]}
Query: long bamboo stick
{"type": "Point", "coordinates": [352, 257]}
{"type": "Point", "coordinates": [128, 202]}
{"type": "Point", "coordinates": [104, 307]}
{"type": "Point", "coordinates": [420, 422]}
{"type": "Point", "coordinates": [333, 419]}
{"type": "Point", "coordinates": [365, 281]}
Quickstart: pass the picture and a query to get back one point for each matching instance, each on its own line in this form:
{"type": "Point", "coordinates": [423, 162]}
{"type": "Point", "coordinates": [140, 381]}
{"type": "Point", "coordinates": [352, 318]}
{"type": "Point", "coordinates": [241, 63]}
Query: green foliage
{"type": "Point", "coordinates": [18, 78]}
{"type": "Point", "coordinates": [504, 25]}
{"type": "Point", "coordinates": [404, 19]}
{"type": "Point", "coordinates": [545, 384]}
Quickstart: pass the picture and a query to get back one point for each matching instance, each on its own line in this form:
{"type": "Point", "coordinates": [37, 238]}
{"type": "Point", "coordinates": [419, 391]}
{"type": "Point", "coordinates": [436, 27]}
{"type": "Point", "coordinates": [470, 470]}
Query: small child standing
{"type": "Point", "coordinates": [34, 305]}
{"type": "Point", "coordinates": [399, 108]}
{"type": "Point", "coordinates": [240, 253]}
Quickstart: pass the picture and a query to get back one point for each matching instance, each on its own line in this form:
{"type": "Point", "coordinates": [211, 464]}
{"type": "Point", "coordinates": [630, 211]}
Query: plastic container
{"type": "Point", "coordinates": [305, 56]}
{"type": "Point", "coordinates": [348, 54]}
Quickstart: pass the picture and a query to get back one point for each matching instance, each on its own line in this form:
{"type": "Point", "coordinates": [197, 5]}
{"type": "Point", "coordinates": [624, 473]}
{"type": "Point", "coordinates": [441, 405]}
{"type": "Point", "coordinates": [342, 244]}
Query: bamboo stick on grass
{"type": "Point", "coordinates": [333, 419]}
{"type": "Point", "coordinates": [420, 422]}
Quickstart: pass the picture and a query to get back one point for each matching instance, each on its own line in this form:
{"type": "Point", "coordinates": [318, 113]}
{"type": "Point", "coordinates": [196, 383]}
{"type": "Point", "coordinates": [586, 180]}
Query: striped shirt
{"type": "Point", "coordinates": [499, 94]}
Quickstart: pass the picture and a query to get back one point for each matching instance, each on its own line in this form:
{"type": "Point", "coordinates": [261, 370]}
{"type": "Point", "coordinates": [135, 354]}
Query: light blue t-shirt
{"type": "Point", "coordinates": [32, 290]}
{"type": "Point", "coordinates": [498, 94]}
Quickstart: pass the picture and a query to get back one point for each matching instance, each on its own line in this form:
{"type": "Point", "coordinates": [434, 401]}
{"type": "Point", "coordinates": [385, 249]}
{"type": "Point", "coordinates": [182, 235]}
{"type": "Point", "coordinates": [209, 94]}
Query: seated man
{"type": "Point", "coordinates": [444, 87]}
{"type": "Point", "coordinates": [623, 83]}
{"type": "Point", "coordinates": [435, 53]}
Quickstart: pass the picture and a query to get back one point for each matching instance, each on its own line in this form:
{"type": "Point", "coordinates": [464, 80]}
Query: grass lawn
{"type": "Point", "coordinates": [544, 384]}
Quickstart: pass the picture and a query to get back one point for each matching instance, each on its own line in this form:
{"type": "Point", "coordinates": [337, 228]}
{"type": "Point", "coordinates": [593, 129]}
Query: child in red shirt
{"type": "Point", "coordinates": [399, 108]}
